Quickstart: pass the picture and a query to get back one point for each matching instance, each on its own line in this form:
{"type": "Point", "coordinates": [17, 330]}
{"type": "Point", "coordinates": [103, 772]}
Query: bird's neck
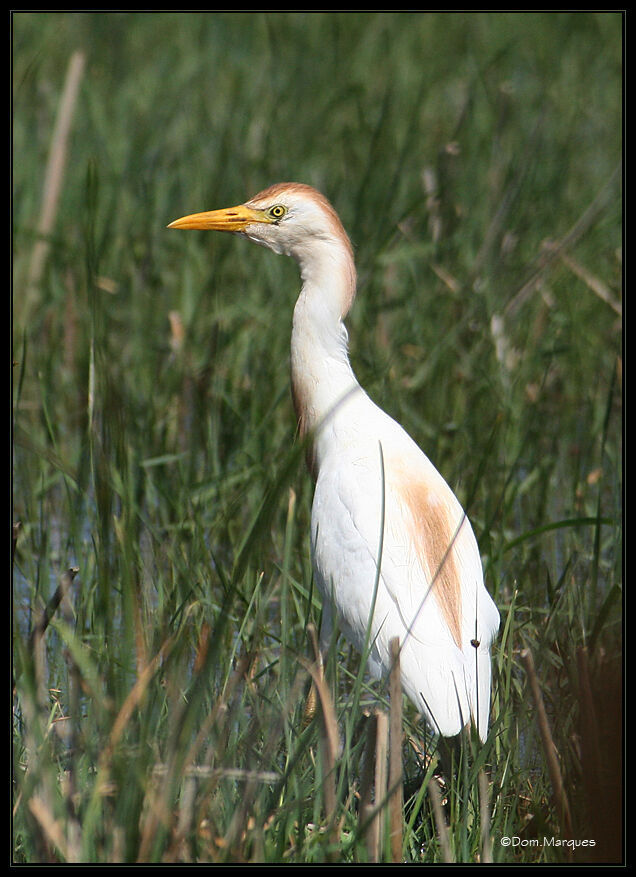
{"type": "Point", "coordinates": [322, 378]}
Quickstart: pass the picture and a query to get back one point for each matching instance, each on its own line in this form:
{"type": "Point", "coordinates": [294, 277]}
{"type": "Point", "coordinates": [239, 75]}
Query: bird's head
{"type": "Point", "coordinates": [290, 218]}
{"type": "Point", "coordinates": [297, 220]}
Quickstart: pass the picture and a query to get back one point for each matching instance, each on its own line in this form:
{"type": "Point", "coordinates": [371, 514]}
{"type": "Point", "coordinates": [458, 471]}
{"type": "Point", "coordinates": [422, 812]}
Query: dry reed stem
{"type": "Point", "coordinates": [15, 532]}
{"type": "Point", "coordinates": [367, 822]}
{"type": "Point", "coordinates": [330, 723]}
{"type": "Point", "coordinates": [440, 822]}
{"type": "Point", "coordinates": [54, 174]}
{"type": "Point", "coordinates": [69, 786]}
{"type": "Point", "coordinates": [560, 797]}
{"type": "Point", "coordinates": [191, 774]}
{"type": "Point", "coordinates": [61, 593]}
{"type": "Point", "coordinates": [374, 778]}
{"type": "Point", "coordinates": [396, 801]}
{"type": "Point", "coordinates": [548, 256]}
{"type": "Point", "coordinates": [219, 712]}
{"type": "Point", "coordinates": [132, 700]}
{"type": "Point", "coordinates": [51, 827]}
{"type": "Point", "coordinates": [65, 837]}
{"type": "Point", "coordinates": [484, 812]}
{"type": "Point", "coordinates": [592, 282]}
{"type": "Point", "coordinates": [164, 776]}
{"type": "Point", "coordinates": [329, 739]}
{"type": "Point", "coordinates": [207, 772]}
{"type": "Point", "coordinates": [382, 748]}
{"type": "Point", "coordinates": [239, 826]}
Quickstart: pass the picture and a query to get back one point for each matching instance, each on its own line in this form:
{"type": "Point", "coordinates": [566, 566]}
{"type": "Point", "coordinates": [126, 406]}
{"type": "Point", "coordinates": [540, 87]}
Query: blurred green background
{"type": "Point", "coordinates": [474, 159]}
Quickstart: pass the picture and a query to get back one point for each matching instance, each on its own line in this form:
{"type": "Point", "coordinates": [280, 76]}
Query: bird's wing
{"type": "Point", "coordinates": [433, 571]}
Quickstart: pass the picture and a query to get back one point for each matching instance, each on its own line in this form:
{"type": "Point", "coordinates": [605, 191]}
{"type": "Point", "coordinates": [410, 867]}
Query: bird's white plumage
{"type": "Point", "coordinates": [394, 554]}
{"type": "Point", "coordinates": [363, 514]}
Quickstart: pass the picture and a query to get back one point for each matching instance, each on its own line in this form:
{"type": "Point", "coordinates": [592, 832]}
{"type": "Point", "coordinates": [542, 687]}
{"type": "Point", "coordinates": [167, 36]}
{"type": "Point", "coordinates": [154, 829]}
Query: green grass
{"type": "Point", "coordinates": [474, 161]}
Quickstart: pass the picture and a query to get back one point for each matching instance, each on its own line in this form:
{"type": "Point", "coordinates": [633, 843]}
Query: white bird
{"type": "Point", "coordinates": [394, 554]}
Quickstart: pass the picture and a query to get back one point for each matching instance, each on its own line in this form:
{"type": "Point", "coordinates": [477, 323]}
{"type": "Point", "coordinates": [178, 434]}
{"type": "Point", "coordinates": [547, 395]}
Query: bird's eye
{"type": "Point", "coordinates": [277, 212]}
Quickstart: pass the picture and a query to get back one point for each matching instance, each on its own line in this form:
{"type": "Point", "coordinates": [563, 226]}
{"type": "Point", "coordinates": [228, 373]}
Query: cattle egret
{"type": "Point", "coordinates": [394, 554]}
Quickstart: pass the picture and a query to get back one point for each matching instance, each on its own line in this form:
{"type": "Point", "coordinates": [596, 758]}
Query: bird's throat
{"type": "Point", "coordinates": [323, 381]}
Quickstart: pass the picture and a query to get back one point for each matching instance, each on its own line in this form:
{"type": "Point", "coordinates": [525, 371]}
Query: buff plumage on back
{"type": "Point", "coordinates": [433, 533]}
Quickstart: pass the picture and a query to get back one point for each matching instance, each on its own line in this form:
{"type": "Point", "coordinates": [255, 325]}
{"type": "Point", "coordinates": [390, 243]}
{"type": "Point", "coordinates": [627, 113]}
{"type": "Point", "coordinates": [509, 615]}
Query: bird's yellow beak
{"type": "Point", "coordinates": [228, 219]}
